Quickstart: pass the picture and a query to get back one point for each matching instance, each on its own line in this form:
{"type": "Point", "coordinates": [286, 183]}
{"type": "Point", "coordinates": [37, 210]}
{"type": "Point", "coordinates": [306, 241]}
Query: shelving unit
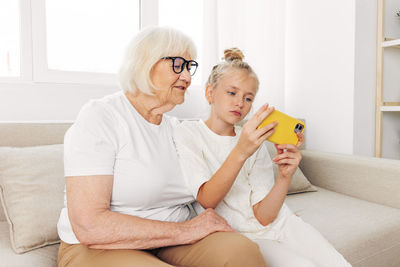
{"type": "Point", "coordinates": [383, 43]}
{"type": "Point", "coordinates": [395, 43]}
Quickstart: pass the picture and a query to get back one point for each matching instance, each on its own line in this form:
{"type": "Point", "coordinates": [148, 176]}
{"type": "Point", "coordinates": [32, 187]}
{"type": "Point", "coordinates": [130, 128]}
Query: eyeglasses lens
{"type": "Point", "coordinates": [178, 65]}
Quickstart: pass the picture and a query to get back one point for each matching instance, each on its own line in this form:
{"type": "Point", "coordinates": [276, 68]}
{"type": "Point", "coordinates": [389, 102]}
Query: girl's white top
{"type": "Point", "coordinates": [202, 152]}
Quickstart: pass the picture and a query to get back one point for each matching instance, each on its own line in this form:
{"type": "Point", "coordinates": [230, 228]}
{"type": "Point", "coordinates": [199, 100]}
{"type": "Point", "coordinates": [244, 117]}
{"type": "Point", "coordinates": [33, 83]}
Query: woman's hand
{"type": "Point", "coordinates": [204, 224]}
{"type": "Point", "coordinates": [288, 158]}
{"type": "Point", "coordinates": [251, 138]}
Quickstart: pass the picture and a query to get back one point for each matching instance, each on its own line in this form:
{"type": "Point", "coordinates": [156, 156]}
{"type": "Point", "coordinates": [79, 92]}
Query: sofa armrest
{"type": "Point", "coordinates": [373, 179]}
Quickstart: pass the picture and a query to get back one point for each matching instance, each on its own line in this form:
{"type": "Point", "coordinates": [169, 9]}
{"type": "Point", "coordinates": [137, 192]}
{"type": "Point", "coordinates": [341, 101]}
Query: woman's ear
{"type": "Point", "coordinates": [209, 94]}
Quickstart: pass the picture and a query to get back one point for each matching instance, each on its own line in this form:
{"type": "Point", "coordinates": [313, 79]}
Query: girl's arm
{"type": "Point", "coordinates": [267, 209]}
{"type": "Point", "coordinates": [211, 193]}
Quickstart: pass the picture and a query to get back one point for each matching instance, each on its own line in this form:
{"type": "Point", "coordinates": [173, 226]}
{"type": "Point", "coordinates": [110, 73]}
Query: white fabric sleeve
{"type": "Point", "coordinates": [90, 144]}
{"type": "Point", "coordinates": [261, 175]}
{"type": "Point", "coordinates": [191, 158]}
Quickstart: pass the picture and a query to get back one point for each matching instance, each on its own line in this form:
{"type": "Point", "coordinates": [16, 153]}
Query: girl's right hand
{"type": "Point", "coordinates": [251, 138]}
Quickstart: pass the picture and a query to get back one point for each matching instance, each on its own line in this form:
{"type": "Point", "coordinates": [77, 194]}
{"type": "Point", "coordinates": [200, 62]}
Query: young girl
{"type": "Point", "coordinates": [228, 168]}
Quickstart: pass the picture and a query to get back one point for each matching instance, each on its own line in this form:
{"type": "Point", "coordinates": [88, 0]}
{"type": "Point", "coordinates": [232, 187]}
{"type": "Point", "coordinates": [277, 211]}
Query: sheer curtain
{"type": "Point", "coordinates": [257, 27]}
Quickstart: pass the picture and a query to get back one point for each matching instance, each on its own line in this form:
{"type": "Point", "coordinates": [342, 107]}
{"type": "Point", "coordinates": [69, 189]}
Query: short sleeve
{"type": "Point", "coordinates": [261, 175]}
{"type": "Point", "coordinates": [90, 144]}
{"type": "Point", "coordinates": [191, 158]}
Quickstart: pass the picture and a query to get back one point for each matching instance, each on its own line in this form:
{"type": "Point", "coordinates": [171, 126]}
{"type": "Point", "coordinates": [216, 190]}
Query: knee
{"type": "Point", "coordinates": [241, 251]}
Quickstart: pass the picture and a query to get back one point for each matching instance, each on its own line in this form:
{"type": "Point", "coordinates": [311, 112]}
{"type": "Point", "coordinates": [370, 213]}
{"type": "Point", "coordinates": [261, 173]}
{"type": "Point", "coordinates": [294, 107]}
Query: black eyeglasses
{"type": "Point", "coordinates": [178, 64]}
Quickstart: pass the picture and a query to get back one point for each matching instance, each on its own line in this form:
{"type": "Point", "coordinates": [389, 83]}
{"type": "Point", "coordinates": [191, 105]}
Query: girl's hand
{"type": "Point", "coordinates": [251, 138]}
{"type": "Point", "coordinates": [288, 158]}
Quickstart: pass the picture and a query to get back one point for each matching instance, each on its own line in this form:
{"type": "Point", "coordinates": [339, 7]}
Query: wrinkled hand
{"type": "Point", "coordinates": [251, 138]}
{"type": "Point", "coordinates": [288, 157]}
{"type": "Point", "coordinates": [207, 223]}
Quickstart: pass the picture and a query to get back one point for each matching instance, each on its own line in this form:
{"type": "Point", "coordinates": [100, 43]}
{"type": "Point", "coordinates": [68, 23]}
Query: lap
{"type": "Point", "coordinates": [217, 249]}
{"type": "Point", "coordinates": [278, 254]}
{"type": "Point", "coordinates": [299, 240]}
{"type": "Point", "coordinates": [80, 255]}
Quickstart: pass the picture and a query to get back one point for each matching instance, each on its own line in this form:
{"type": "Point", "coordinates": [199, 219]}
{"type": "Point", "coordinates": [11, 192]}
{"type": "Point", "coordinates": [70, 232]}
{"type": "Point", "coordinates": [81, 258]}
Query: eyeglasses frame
{"type": "Point", "coordinates": [185, 62]}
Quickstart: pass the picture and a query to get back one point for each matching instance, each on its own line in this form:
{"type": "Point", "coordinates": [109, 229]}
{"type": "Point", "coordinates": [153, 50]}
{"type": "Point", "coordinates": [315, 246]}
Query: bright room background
{"type": "Point", "coordinates": [315, 59]}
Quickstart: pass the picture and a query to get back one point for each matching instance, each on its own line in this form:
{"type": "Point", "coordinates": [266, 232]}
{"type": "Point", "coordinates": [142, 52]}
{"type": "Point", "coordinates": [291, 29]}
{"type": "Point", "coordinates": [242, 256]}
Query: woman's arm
{"type": "Point", "coordinates": [94, 225]}
{"type": "Point", "coordinates": [267, 209]}
{"type": "Point", "coordinates": [212, 192]}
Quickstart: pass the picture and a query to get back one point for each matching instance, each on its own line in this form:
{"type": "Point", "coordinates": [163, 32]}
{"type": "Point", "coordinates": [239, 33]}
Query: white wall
{"type": "Point", "coordinates": [319, 71]}
{"type": "Point", "coordinates": [44, 101]}
{"type": "Point", "coordinates": [365, 78]}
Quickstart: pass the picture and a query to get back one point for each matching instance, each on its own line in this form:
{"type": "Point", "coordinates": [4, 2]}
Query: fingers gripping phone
{"type": "Point", "coordinates": [285, 131]}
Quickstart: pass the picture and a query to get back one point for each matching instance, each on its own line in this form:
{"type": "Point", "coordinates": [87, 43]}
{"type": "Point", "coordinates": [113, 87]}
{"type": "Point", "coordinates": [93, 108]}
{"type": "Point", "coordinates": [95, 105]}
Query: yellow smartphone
{"type": "Point", "coordinates": [285, 131]}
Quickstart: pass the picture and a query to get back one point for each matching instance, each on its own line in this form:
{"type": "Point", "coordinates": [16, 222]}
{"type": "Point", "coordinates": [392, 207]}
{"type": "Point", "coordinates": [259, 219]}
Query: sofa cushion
{"type": "Point", "coordinates": [367, 234]}
{"type": "Point", "coordinates": [31, 190]}
{"type": "Point", "coordinates": [299, 183]}
{"type": "Point", "coordinates": [46, 256]}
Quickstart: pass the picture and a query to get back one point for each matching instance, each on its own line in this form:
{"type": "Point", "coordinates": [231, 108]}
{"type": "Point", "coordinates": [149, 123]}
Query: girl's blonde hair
{"type": "Point", "coordinates": [145, 50]}
{"type": "Point", "coordinates": [233, 59]}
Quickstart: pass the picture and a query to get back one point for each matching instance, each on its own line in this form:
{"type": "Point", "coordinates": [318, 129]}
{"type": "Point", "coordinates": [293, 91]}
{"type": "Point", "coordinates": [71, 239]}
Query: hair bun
{"type": "Point", "coordinates": [232, 54]}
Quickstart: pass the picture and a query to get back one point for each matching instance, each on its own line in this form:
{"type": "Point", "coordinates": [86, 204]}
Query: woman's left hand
{"type": "Point", "coordinates": [288, 157]}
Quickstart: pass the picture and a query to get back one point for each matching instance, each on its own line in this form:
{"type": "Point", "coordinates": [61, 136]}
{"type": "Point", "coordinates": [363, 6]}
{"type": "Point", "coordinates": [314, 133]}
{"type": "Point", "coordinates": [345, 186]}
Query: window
{"type": "Point", "coordinates": [90, 35]}
{"type": "Point", "coordinates": [9, 39]}
{"type": "Point", "coordinates": [187, 16]}
{"type": "Point", "coordinates": [72, 41]}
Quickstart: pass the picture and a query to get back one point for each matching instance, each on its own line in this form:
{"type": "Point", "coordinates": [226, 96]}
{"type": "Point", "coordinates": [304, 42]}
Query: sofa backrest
{"type": "Point", "coordinates": [24, 134]}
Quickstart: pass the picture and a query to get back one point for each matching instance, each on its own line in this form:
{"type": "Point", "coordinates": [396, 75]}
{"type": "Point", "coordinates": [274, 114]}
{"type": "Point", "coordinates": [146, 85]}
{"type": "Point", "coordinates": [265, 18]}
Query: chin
{"type": "Point", "coordinates": [232, 121]}
{"type": "Point", "coordinates": [236, 121]}
{"type": "Point", "coordinates": [179, 101]}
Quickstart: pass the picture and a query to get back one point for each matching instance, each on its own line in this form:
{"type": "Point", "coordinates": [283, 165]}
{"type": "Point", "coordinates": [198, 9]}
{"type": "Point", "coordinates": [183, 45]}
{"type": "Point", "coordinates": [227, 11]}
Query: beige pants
{"type": "Point", "coordinates": [218, 249]}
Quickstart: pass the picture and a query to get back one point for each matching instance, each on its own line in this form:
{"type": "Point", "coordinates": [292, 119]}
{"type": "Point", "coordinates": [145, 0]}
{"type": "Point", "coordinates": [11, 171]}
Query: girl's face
{"type": "Point", "coordinates": [231, 99]}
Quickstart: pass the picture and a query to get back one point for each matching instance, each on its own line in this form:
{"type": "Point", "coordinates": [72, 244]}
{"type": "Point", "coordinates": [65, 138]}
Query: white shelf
{"type": "Point", "coordinates": [391, 43]}
{"type": "Point", "coordinates": [390, 108]}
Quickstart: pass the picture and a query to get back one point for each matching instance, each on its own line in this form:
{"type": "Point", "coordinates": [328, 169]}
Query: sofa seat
{"type": "Point", "coordinates": [365, 233]}
{"type": "Point", "coordinates": [46, 256]}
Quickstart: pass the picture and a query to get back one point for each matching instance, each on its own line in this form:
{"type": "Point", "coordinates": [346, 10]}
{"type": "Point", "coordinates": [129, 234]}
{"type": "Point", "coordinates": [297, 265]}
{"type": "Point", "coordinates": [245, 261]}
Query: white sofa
{"type": "Point", "coordinates": [356, 207]}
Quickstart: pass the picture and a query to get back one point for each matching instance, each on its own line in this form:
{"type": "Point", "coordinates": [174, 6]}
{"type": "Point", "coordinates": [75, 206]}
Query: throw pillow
{"type": "Point", "coordinates": [299, 183]}
{"type": "Point", "coordinates": [31, 190]}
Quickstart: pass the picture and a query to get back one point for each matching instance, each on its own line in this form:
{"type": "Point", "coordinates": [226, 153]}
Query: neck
{"type": "Point", "coordinates": [149, 106]}
{"type": "Point", "coordinates": [220, 127]}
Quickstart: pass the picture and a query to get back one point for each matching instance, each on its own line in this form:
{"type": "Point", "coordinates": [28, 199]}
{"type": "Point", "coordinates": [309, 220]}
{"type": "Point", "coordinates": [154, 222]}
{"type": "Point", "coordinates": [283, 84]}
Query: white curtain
{"type": "Point", "coordinates": [257, 27]}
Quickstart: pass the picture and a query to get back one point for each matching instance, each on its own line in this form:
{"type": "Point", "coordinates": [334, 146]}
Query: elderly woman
{"type": "Point", "coordinates": [126, 199]}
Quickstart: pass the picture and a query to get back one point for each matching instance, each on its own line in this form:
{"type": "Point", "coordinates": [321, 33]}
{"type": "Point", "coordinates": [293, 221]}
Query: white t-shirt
{"type": "Point", "coordinates": [202, 152]}
{"type": "Point", "coordinates": [110, 137]}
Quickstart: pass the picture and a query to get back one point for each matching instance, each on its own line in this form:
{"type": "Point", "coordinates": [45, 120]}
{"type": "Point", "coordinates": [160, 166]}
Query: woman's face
{"type": "Point", "coordinates": [171, 87]}
{"type": "Point", "coordinates": [231, 99]}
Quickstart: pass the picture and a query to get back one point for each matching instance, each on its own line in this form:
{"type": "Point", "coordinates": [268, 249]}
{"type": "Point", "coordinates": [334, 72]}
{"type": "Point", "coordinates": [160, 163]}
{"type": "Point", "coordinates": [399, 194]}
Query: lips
{"type": "Point", "coordinates": [183, 88]}
{"type": "Point", "coordinates": [236, 113]}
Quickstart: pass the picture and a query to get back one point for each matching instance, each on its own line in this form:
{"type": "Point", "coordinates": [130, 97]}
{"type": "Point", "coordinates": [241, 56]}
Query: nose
{"type": "Point", "coordinates": [185, 76]}
{"type": "Point", "coordinates": [239, 102]}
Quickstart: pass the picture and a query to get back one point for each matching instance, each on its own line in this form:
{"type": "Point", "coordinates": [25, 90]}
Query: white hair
{"type": "Point", "coordinates": [145, 50]}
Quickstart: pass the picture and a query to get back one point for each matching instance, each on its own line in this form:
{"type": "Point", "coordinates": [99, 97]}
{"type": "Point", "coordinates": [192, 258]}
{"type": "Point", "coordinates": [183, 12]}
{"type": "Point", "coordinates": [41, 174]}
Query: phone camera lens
{"type": "Point", "coordinates": [298, 128]}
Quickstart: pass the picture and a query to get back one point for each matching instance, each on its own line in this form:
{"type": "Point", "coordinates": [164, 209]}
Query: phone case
{"type": "Point", "coordinates": [285, 131]}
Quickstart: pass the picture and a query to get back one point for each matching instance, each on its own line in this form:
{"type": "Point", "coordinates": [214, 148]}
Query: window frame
{"type": "Point", "coordinates": [33, 47]}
